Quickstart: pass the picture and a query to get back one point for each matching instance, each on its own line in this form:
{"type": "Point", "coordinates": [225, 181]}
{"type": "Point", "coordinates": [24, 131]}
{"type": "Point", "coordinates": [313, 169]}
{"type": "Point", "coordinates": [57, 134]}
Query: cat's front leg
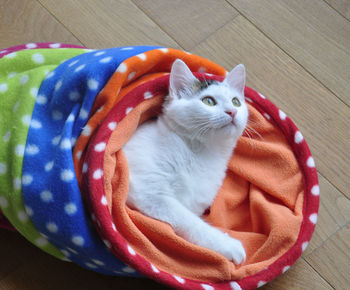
{"type": "Point", "coordinates": [189, 226]}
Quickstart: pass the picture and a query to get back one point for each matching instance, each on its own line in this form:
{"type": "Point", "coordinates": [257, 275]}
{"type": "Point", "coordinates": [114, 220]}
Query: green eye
{"type": "Point", "coordinates": [209, 101]}
{"type": "Point", "coordinates": [236, 102]}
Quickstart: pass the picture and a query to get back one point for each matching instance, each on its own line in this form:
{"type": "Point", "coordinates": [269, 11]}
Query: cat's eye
{"type": "Point", "coordinates": [236, 102]}
{"type": "Point", "coordinates": [209, 101]}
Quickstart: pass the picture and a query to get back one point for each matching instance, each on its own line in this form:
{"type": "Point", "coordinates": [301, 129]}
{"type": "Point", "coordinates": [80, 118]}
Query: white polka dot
{"type": "Point", "coordinates": [52, 227]}
{"type": "Point", "coordinates": [100, 109]}
{"type": "Point", "coordinates": [106, 59]}
{"type": "Point", "coordinates": [78, 154]}
{"type": "Point", "coordinates": [65, 259]}
{"type": "Point", "coordinates": [72, 250]}
{"type": "Point", "coordinates": [11, 75]}
{"type": "Point", "coordinates": [313, 218]}
{"type": "Point", "coordinates": [15, 107]}
{"type": "Point", "coordinates": [78, 240]}
{"type": "Point", "coordinates": [3, 51]}
{"type": "Point", "coordinates": [100, 147]}
{"type": "Point", "coordinates": [71, 118]}
{"type": "Point", "coordinates": [56, 115]}
{"type": "Point", "coordinates": [46, 196]}
{"type": "Point", "coordinates": [104, 200]}
{"type": "Point", "coordinates": [304, 246]}
{"type": "Point", "coordinates": [83, 114]}
{"type": "Point", "coordinates": [70, 208]}
{"type": "Point", "coordinates": [26, 120]}
{"type": "Point", "coordinates": [29, 210]}
{"type": "Point", "coordinates": [165, 50]}
{"type": "Point", "coordinates": [97, 174]}
{"type": "Point", "coordinates": [73, 140]}
{"type": "Point", "coordinates": [50, 74]}
{"type": "Point", "coordinates": [315, 190]}
{"type": "Point", "coordinates": [3, 202]}
{"type": "Point", "coordinates": [107, 243]}
{"type": "Point", "coordinates": [282, 115]}
{"type": "Point", "coordinates": [67, 175]}
{"type": "Point", "coordinates": [17, 183]}
{"type": "Point", "coordinates": [261, 283]}
{"type": "Point", "coordinates": [154, 269]}
{"type": "Point", "coordinates": [34, 92]}
{"type": "Point", "coordinates": [267, 116]}
{"type": "Point", "coordinates": [298, 137]}
{"type": "Point", "coordinates": [207, 287]}
{"type": "Point", "coordinates": [131, 251]}
{"type": "Point", "coordinates": [11, 55]}
{"type": "Point", "coordinates": [7, 136]}
{"type": "Point", "coordinates": [58, 85]}
{"type": "Point", "coordinates": [3, 168]}
{"type": "Point", "coordinates": [55, 45]}
{"type": "Point", "coordinates": [179, 279]}
{"type": "Point", "coordinates": [92, 84]}
{"type": "Point", "coordinates": [235, 286]}
{"type": "Point", "coordinates": [32, 149]}
{"type": "Point", "coordinates": [112, 125]}
{"type": "Point", "coordinates": [35, 124]}
{"type": "Point", "coordinates": [92, 266]}
{"type": "Point", "coordinates": [19, 150]}
{"type": "Point", "coordinates": [3, 88]}
{"type": "Point", "coordinates": [99, 53]}
{"type": "Point", "coordinates": [38, 58]}
{"type": "Point", "coordinates": [98, 262]}
{"type": "Point", "coordinates": [41, 242]}
{"type": "Point", "coordinates": [128, 269]}
{"type": "Point", "coordinates": [27, 179]}
{"type": "Point", "coordinates": [48, 166]}
{"type": "Point", "coordinates": [122, 68]}
{"type": "Point", "coordinates": [41, 99]}
{"type": "Point", "coordinates": [131, 75]}
{"type": "Point", "coordinates": [55, 140]}
{"type": "Point", "coordinates": [73, 63]}
{"type": "Point", "coordinates": [74, 96]}
{"type": "Point", "coordinates": [31, 45]}
{"type": "Point", "coordinates": [285, 269]}
{"type": "Point", "coordinates": [114, 227]}
{"type": "Point", "coordinates": [310, 162]}
{"type": "Point", "coordinates": [128, 110]}
{"type": "Point", "coordinates": [142, 56]}
{"type": "Point", "coordinates": [262, 96]}
{"type": "Point", "coordinates": [22, 216]}
{"type": "Point", "coordinates": [80, 67]}
{"type": "Point", "coordinates": [147, 95]}
{"type": "Point", "coordinates": [23, 79]}
{"type": "Point", "coordinates": [66, 144]}
{"type": "Point", "coordinates": [85, 167]}
{"type": "Point", "coordinates": [65, 252]}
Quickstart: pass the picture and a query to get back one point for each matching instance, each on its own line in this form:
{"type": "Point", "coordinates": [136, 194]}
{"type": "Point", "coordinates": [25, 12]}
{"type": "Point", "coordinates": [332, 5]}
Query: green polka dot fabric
{"type": "Point", "coordinates": [21, 74]}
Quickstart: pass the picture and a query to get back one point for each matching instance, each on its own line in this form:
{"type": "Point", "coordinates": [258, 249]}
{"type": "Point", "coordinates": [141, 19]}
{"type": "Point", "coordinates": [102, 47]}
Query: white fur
{"type": "Point", "coordinates": [178, 162]}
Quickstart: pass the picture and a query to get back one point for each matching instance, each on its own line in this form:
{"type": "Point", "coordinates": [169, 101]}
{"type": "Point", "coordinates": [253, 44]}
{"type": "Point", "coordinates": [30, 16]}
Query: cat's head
{"type": "Point", "coordinates": [206, 108]}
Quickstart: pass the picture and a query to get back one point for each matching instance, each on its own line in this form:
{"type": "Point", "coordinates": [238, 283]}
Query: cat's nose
{"type": "Point", "coordinates": [231, 113]}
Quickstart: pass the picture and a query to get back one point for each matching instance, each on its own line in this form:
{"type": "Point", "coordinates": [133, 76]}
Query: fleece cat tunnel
{"type": "Point", "coordinates": [66, 112]}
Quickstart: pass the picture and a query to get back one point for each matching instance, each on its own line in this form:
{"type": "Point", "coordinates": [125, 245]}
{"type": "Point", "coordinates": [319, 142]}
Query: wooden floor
{"type": "Point", "coordinates": [297, 52]}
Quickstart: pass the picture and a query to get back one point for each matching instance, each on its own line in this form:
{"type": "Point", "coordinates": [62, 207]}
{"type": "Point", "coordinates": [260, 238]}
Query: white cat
{"type": "Point", "coordinates": [178, 162]}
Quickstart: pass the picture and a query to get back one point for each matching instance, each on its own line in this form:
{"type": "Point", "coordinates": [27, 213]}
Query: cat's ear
{"type": "Point", "coordinates": [236, 78]}
{"type": "Point", "coordinates": [181, 77]}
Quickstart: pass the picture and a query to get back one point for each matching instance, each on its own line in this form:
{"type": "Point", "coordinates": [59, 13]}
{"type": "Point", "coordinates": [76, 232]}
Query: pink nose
{"type": "Point", "coordinates": [231, 113]}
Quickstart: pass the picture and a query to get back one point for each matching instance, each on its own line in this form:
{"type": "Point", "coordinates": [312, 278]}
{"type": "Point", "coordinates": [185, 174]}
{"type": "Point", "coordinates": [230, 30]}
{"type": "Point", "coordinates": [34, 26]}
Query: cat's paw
{"type": "Point", "coordinates": [232, 249]}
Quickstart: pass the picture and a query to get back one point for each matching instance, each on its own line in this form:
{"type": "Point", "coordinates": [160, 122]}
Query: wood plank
{"type": "Point", "coordinates": [189, 22]}
{"type": "Point", "coordinates": [342, 6]}
{"type": "Point", "coordinates": [332, 259]}
{"type": "Point", "coordinates": [311, 32]}
{"type": "Point", "coordinates": [321, 116]}
{"type": "Point", "coordinates": [108, 23]}
{"type": "Point", "coordinates": [30, 268]}
{"type": "Point", "coordinates": [334, 213]}
{"type": "Point", "coordinates": [24, 21]}
{"type": "Point", "coordinates": [300, 276]}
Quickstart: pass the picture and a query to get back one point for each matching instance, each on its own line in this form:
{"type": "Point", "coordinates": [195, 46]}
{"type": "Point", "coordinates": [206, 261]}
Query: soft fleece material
{"type": "Point", "coordinates": [97, 100]}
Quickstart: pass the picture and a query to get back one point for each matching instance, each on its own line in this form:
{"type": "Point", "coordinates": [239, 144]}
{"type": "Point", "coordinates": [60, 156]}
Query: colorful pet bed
{"type": "Point", "coordinates": [65, 114]}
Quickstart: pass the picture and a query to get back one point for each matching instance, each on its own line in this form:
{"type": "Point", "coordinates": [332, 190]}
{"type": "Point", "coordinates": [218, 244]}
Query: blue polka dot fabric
{"type": "Point", "coordinates": [64, 101]}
